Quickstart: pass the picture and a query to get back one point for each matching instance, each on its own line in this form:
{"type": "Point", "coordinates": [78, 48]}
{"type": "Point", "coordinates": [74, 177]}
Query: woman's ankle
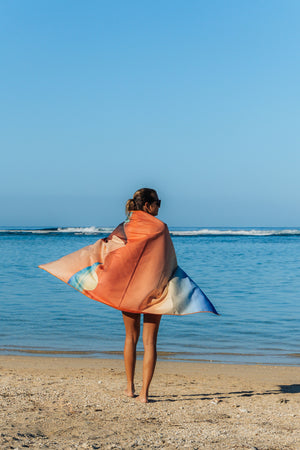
{"type": "Point", "coordinates": [129, 391]}
{"type": "Point", "coordinates": [143, 397]}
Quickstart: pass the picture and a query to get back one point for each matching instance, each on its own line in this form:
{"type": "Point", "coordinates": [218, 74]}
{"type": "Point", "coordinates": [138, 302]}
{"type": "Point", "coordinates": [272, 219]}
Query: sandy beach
{"type": "Point", "coordinates": [68, 403]}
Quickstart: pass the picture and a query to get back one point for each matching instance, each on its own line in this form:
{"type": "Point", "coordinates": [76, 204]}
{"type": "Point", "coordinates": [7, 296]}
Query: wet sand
{"type": "Point", "coordinates": [69, 403]}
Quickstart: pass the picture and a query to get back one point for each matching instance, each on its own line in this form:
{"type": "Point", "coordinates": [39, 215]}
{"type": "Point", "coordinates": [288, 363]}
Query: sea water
{"type": "Point", "coordinates": [250, 275]}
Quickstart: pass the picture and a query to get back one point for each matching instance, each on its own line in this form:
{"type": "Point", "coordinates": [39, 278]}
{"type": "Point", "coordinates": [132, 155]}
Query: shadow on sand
{"type": "Point", "coordinates": [282, 389]}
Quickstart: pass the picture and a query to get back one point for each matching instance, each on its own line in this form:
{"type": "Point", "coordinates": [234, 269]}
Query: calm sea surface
{"type": "Point", "coordinates": [252, 276]}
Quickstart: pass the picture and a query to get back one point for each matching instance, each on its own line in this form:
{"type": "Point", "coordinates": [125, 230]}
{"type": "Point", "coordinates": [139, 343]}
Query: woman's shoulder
{"type": "Point", "coordinates": [147, 221]}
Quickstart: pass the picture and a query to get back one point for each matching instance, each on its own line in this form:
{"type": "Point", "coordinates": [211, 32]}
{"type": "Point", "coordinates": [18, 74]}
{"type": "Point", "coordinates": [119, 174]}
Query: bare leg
{"type": "Point", "coordinates": [132, 328]}
{"type": "Point", "coordinates": [150, 330]}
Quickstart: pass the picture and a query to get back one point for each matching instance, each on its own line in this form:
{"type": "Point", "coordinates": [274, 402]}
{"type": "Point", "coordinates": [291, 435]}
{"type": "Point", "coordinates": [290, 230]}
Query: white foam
{"type": "Point", "coordinates": [71, 230]}
{"type": "Point", "coordinates": [85, 230]}
{"type": "Point", "coordinates": [92, 230]}
{"type": "Point", "coordinates": [241, 232]}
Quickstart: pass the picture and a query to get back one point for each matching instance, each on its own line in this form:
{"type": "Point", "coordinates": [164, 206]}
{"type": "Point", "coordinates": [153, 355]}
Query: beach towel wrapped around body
{"type": "Point", "coordinates": [134, 269]}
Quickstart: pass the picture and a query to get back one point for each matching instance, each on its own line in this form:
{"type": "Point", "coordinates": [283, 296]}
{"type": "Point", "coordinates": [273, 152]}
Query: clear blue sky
{"type": "Point", "coordinates": [198, 99]}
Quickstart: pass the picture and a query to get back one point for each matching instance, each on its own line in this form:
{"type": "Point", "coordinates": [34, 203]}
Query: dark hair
{"type": "Point", "coordinates": [140, 197]}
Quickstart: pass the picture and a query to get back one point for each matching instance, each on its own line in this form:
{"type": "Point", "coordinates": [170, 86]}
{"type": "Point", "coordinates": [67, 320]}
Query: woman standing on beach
{"type": "Point", "coordinates": [135, 270]}
{"type": "Point", "coordinates": [143, 200]}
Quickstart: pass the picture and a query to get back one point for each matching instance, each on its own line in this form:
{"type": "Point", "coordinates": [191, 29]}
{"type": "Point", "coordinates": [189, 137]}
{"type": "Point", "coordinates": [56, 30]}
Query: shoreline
{"type": "Point", "coordinates": [177, 357]}
{"type": "Point", "coordinates": [75, 361]}
{"type": "Point", "coordinates": [59, 402]}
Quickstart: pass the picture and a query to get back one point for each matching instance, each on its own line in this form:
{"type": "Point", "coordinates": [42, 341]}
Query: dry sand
{"type": "Point", "coordinates": [68, 403]}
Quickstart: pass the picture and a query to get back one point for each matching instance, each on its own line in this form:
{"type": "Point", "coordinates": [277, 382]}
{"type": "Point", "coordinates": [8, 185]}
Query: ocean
{"type": "Point", "coordinates": [252, 276]}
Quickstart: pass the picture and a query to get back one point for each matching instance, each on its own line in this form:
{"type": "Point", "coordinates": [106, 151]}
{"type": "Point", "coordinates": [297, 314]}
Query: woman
{"type": "Point", "coordinates": [143, 200]}
{"type": "Point", "coordinates": [135, 270]}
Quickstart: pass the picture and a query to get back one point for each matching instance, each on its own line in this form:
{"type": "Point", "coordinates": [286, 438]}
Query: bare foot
{"type": "Point", "coordinates": [129, 391]}
{"type": "Point", "coordinates": [142, 399]}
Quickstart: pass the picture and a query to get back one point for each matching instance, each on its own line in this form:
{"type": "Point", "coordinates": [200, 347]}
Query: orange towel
{"type": "Point", "coordinates": [134, 269]}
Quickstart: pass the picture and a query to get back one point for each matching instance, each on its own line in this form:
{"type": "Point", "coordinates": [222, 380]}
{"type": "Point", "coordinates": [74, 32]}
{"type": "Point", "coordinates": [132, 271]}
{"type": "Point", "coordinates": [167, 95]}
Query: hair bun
{"type": "Point", "coordinates": [140, 198]}
{"type": "Point", "coordinates": [130, 205]}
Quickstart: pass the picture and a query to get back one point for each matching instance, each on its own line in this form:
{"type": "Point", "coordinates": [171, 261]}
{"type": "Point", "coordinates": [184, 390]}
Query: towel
{"type": "Point", "coordinates": [134, 269]}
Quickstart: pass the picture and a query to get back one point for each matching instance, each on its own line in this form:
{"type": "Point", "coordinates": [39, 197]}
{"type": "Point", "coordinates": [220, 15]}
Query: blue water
{"type": "Point", "coordinates": [251, 276]}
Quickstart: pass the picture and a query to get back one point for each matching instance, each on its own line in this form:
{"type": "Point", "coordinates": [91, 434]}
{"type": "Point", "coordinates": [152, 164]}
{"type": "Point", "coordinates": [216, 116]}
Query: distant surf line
{"type": "Point", "coordinates": [206, 232]}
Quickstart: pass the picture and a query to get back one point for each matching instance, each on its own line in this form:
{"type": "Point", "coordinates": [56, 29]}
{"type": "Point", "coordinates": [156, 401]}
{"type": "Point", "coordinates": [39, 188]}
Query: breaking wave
{"type": "Point", "coordinates": [235, 232]}
{"type": "Point", "coordinates": [59, 230]}
{"type": "Point", "coordinates": [92, 230]}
